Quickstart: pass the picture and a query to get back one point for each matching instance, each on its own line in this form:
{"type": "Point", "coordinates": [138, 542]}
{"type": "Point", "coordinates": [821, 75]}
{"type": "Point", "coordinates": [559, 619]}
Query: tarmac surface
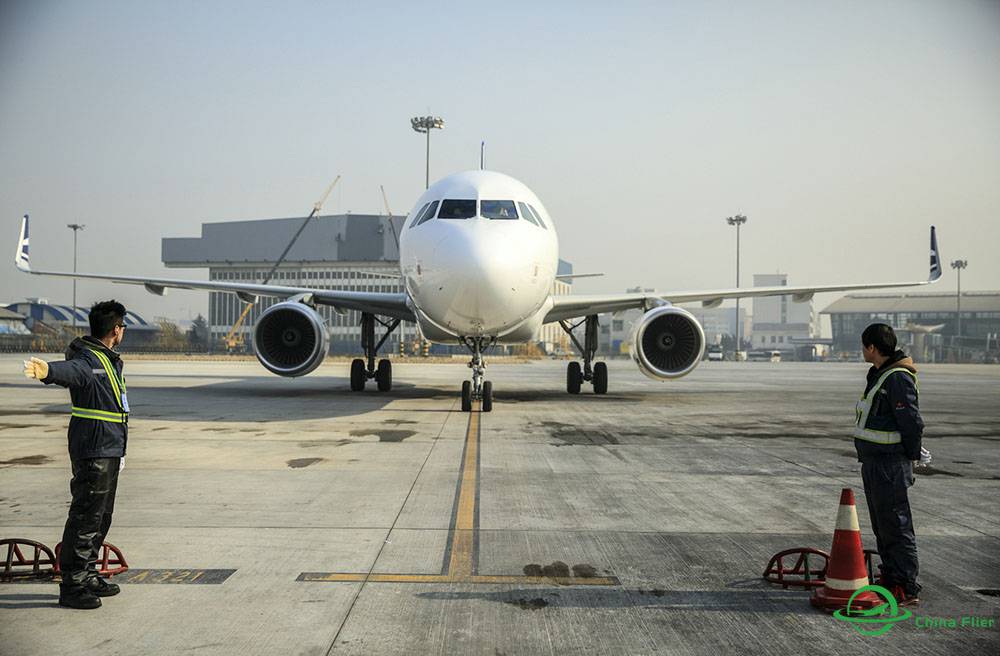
{"type": "Point", "coordinates": [262, 515]}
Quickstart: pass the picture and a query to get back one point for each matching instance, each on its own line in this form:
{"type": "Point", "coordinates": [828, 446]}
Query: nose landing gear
{"type": "Point", "coordinates": [360, 372]}
{"type": "Point", "coordinates": [595, 373]}
{"type": "Point", "coordinates": [477, 389]}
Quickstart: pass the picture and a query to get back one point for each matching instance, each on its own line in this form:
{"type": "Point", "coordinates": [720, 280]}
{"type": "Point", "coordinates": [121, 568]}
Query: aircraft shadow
{"type": "Point", "coordinates": [268, 400]}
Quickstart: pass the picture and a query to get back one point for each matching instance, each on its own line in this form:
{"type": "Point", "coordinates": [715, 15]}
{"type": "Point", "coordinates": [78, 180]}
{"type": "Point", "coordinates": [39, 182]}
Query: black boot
{"type": "Point", "coordinates": [100, 587]}
{"type": "Point", "coordinates": [78, 597]}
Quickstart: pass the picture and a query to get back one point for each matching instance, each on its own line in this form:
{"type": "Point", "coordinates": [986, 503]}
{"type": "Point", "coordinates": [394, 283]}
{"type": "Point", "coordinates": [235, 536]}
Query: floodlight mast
{"type": "Point", "coordinates": [424, 125]}
{"type": "Point", "coordinates": [958, 265]}
{"type": "Point", "coordinates": [737, 221]}
{"type": "Point", "coordinates": [75, 227]}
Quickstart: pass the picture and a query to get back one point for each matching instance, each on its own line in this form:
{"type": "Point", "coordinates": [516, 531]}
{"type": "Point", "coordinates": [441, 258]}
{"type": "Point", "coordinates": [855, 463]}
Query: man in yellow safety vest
{"type": "Point", "coordinates": [887, 436]}
{"type": "Point", "coordinates": [98, 433]}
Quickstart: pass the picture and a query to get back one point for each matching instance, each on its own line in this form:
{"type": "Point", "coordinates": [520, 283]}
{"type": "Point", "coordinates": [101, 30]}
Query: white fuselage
{"type": "Point", "coordinates": [490, 274]}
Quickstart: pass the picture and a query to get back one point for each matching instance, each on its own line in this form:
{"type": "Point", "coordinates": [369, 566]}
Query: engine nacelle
{"type": "Point", "coordinates": [290, 339]}
{"type": "Point", "coordinates": [667, 342]}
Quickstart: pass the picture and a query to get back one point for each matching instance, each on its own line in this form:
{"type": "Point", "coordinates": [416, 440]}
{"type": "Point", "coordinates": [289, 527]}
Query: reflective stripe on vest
{"type": "Point", "coordinates": [864, 408]}
{"type": "Point", "coordinates": [99, 415]}
{"type": "Point", "coordinates": [117, 387]}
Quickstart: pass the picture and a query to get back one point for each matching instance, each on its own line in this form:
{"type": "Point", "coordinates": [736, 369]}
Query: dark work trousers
{"type": "Point", "coordinates": [95, 481]}
{"type": "Point", "coordinates": [886, 481]}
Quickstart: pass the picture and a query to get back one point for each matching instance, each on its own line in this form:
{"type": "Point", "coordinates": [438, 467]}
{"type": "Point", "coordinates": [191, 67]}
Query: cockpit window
{"type": "Point", "coordinates": [497, 209]}
{"type": "Point", "coordinates": [419, 215]}
{"type": "Point", "coordinates": [428, 214]}
{"type": "Point", "coordinates": [457, 209]}
{"type": "Point", "coordinates": [526, 213]}
{"type": "Point", "coordinates": [538, 217]}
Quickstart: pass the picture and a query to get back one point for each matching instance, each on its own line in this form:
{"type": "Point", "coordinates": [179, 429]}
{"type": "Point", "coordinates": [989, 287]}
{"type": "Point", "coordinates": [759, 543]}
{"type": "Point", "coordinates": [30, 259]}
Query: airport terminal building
{"type": "Point", "coordinates": [926, 322]}
{"type": "Point", "coordinates": [346, 251]}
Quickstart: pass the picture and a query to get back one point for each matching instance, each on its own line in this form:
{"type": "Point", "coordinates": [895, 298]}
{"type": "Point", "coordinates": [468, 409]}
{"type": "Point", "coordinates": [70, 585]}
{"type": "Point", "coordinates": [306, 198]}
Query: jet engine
{"type": "Point", "coordinates": [667, 342]}
{"type": "Point", "coordinates": [290, 339]}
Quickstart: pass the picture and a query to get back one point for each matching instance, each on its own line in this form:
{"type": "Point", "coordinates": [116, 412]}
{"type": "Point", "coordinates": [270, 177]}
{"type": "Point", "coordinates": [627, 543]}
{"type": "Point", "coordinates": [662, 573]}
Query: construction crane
{"type": "Point", "coordinates": [395, 237]}
{"type": "Point", "coordinates": [234, 338]}
{"type": "Point", "coordinates": [422, 346]}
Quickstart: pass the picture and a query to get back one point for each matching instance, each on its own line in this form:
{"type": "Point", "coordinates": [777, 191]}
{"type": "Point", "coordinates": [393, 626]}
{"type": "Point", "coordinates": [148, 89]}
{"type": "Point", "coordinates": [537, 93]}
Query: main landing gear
{"type": "Point", "coordinates": [360, 373]}
{"type": "Point", "coordinates": [477, 389]}
{"type": "Point", "coordinates": [596, 374]}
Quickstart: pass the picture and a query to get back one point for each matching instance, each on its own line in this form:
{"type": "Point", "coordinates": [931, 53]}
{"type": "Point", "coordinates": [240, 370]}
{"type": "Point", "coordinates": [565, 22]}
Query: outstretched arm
{"type": "Point", "coordinates": [72, 373]}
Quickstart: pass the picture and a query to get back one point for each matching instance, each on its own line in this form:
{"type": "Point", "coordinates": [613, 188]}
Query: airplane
{"type": "Point", "coordinates": [478, 260]}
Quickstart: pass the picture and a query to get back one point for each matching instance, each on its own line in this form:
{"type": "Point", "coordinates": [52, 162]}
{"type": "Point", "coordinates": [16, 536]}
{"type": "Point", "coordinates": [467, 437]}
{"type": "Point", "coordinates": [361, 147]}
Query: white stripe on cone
{"type": "Point", "coordinates": [846, 584]}
{"type": "Point", "coordinates": [847, 519]}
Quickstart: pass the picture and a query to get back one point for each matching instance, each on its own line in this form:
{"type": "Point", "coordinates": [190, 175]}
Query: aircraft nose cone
{"type": "Point", "coordinates": [479, 281]}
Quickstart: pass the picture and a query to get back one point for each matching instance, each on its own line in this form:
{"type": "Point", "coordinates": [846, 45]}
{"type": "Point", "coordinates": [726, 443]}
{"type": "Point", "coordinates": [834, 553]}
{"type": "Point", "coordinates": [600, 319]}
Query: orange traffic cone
{"type": "Point", "coordinates": [846, 572]}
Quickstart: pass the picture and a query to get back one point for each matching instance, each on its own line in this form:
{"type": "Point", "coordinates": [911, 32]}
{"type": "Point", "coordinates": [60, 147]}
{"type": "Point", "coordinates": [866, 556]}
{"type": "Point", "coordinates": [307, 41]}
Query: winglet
{"type": "Point", "coordinates": [21, 260]}
{"type": "Point", "coordinates": [935, 257]}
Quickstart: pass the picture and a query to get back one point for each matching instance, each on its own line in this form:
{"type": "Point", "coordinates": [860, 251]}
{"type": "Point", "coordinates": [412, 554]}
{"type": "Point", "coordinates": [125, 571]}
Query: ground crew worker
{"type": "Point", "coordinates": [98, 432]}
{"type": "Point", "coordinates": [887, 438]}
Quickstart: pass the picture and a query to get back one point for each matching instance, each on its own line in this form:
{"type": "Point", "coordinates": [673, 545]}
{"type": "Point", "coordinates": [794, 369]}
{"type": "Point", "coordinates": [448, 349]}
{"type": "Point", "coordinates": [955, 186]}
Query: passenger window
{"type": "Point", "coordinates": [429, 214]}
{"type": "Point", "coordinates": [538, 217]}
{"type": "Point", "coordinates": [497, 209]}
{"type": "Point", "coordinates": [457, 209]}
{"type": "Point", "coordinates": [419, 215]}
{"type": "Point", "coordinates": [526, 213]}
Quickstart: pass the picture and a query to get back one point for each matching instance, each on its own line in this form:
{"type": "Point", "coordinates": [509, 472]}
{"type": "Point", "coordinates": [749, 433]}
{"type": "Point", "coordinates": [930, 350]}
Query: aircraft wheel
{"type": "Point", "coordinates": [357, 375]}
{"type": "Point", "coordinates": [487, 396]}
{"type": "Point", "coordinates": [574, 377]}
{"type": "Point", "coordinates": [383, 375]}
{"type": "Point", "coordinates": [466, 396]}
{"type": "Point", "coordinates": [600, 378]}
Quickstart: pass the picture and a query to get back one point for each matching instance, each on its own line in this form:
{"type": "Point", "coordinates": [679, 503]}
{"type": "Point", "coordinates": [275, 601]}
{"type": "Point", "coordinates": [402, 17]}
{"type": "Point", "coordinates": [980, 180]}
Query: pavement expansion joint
{"type": "Point", "coordinates": [461, 558]}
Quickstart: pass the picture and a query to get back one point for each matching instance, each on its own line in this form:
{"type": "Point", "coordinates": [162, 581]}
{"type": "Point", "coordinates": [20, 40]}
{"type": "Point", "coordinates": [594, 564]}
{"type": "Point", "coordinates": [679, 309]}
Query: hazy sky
{"type": "Point", "coordinates": [842, 130]}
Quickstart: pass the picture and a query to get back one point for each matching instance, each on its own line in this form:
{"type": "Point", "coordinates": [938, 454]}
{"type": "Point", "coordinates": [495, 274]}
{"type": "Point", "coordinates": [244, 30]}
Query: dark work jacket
{"type": "Point", "coordinates": [895, 408]}
{"type": "Point", "coordinates": [89, 387]}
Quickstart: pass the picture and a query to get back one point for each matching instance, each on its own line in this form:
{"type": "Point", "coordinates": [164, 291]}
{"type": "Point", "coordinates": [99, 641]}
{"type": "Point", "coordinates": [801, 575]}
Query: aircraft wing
{"type": "Point", "coordinates": [384, 303]}
{"type": "Point", "coordinates": [569, 306]}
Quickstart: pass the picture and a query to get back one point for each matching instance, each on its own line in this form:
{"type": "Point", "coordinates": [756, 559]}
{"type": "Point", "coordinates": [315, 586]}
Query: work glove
{"type": "Point", "coordinates": [35, 368]}
{"type": "Point", "coordinates": [925, 458]}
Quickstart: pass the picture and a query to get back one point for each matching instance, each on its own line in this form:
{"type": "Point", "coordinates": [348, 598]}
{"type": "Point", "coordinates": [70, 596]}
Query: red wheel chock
{"type": "Point", "coordinates": [16, 566]}
{"type": "Point", "coordinates": [801, 573]}
{"type": "Point", "coordinates": [106, 565]}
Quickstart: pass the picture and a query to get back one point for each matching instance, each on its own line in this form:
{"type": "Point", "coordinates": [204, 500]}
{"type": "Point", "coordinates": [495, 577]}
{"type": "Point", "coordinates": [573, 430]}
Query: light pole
{"type": "Point", "coordinates": [75, 227]}
{"type": "Point", "coordinates": [959, 265]}
{"type": "Point", "coordinates": [737, 221]}
{"type": "Point", "coordinates": [425, 124]}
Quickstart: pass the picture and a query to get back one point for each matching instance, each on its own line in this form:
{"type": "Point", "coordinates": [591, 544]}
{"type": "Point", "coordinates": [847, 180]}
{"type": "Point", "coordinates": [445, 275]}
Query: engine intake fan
{"type": "Point", "coordinates": [667, 342]}
{"type": "Point", "coordinates": [290, 339]}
